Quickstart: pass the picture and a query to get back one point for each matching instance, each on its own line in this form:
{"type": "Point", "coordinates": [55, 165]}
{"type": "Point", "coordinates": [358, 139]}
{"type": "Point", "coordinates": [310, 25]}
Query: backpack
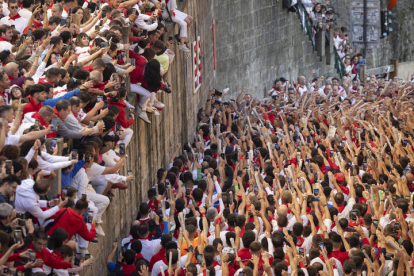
{"type": "Point", "coordinates": [52, 223]}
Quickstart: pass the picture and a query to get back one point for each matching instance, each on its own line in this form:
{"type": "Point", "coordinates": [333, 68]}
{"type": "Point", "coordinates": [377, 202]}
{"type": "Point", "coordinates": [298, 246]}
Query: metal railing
{"type": "Point", "coordinates": [339, 66]}
{"type": "Point", "coordinates": [305, 21]}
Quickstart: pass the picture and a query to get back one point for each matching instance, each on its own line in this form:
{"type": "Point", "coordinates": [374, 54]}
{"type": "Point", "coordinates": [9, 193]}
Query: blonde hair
{"type": "Point", "coordinates": [76, 19]}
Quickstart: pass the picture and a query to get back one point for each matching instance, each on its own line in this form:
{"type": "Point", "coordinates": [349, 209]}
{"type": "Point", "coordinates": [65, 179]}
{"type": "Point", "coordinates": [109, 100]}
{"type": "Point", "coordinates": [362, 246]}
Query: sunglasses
{"type": "Point", "coordinates": [14, 8]}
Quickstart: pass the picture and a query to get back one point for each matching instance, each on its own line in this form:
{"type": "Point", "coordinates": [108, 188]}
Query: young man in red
{"type": "Point", "coordinates": [71, 220]}
{"type": "Point", "coordinates": [39, 245]}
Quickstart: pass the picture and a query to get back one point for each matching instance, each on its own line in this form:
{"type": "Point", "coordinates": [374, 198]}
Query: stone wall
{"type": "Point", "coordinates": [257, 42]}
{"type": "Point", "coordinates": [153, 144]}
{"type": "Point", "coordinates": [400, 42]}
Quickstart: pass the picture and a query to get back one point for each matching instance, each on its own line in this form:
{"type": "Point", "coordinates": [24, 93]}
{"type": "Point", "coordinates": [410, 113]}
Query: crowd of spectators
{"type": "Point", "coordinates": [313, 179]}
{"type": "Point", "coordinates": [65, 118]}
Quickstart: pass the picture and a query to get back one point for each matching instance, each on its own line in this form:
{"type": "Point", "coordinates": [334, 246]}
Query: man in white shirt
{"type": "Point", "coordinates": [6, 33]}
{"type": "Point", "coordinates": [149, 248]}
{"type": "Point", "coordinates": [26, 12]}
{"type": "Point", "coordinates": [301, 86]}
{"type": "Point", "coordinates": [27, 199]}
{"type": "Point", "coordinates": [14, 18]}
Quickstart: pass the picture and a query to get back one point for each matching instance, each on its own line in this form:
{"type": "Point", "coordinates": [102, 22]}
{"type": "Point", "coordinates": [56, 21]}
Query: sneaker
{"type": "Point", "coordinates": [152, 110]}
{"type": "Point", "coordinates": [158, 104]}
{"type": "Point", "coordinates": [95, 241]}
{"type": "Point", "coordinates": [184, 48]}
{"type": "Point", "coordinates": [120, 186]}
{"type": "Point", "coordinates": [167, 90]}
{"type": "Point", "coordinates": [110, 195]}
{"type": "Point", "coordinates": [100, 231]}
{"type": "Point", "coordinates": [143, 116]}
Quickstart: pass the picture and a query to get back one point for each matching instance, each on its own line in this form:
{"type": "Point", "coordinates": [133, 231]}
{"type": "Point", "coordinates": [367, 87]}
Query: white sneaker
{"type": "Point", "coordinates": [158, 104]}
{"type": "Point", "coordinates": [100, 231]}
{"type": "Point", "coordinates": [184, 48]}
{"type": "Point", "coordinates": [152, 110]}
{"type": "Point", "coordinates": [143, 116]}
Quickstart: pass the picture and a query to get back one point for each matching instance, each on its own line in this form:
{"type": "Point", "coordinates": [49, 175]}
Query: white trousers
{"type": "Point", "coordinates": [101, 202]}
{"type": "Point", "coordinates": [81, 241]}
{"type": "Point", "coordinates": [129, 133]}
{"type": "Point", "coordinates": [145, 95]}
{"type": "Point", "coordinates": [176, 16]}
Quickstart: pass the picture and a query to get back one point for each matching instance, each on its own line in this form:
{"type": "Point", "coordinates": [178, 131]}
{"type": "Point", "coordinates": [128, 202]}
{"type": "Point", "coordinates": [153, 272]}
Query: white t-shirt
{"type": "Point", "coordinates": [95, 171]}
{"type": "Point", "coordinates": [12, 140]}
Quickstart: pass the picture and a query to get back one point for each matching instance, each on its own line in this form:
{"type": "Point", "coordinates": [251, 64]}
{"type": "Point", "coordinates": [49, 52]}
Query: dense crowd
{"type": "Point", "coordinates": [313, 179]}
{"type": "Point", "coordinates": [65, 119]}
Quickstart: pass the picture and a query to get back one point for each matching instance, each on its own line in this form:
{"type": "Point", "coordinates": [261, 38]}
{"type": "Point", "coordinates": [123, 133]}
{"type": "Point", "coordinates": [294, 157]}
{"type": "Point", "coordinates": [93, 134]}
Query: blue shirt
{"type": "Point", "coordinates": [67, 177]}
{"type": "Point", "coordinates": [67, 96]}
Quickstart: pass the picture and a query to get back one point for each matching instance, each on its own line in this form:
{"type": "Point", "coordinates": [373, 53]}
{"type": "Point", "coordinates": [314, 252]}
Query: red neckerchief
{"type": "Point", "coordinates": [37, 24]}
{"type": "Point", "coordinates": [3, 39]}
{"type": "Point", "coordinates": [128, 269]}
{"type": "Point", "coordinates": [17, 16]}
{"type": "Point", "coordinates": [340, 208]}
{"type": "Point", "coordinates": [66, 10]}
{"type": "Point", "coordinates": [38, 106]}
{"type": "Point", "coordinates": [344, 189]}
{"type": "Point", "coordinates": [11, 78]}
{"type": "Point", "coordinates": [138, 256]}
{"type": "Point", "coordinates": [43, 80]}
{"type": "Point", "coordinates": [57, 113]}
{"type": "Point", "coordinates": [3, 93]}
{"type": "Point", "coordinates": [276, 89]}
{"type": "Point", "coordinates": [299, 241]}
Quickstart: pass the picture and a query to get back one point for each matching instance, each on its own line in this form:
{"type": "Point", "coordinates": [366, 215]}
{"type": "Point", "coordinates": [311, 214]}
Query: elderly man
{"type": "Point", "coordinates": [301, 86]}
{"type": "Point", "coordinates": [56, 10]}
{"type": "Point", "coordinates": [12, 71]}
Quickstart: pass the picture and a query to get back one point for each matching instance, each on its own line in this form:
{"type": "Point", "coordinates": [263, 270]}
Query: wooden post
{"type": "Point", "coordinates": [362, 71]}
{"type": "Point", "coordinates": [125, 39]}
{"type": "Point", "coordinates": [320, 43]}
{"type": "Point", "coordinates": [56, 184]}
{"type": "Point", "coordinates": [394, 73]}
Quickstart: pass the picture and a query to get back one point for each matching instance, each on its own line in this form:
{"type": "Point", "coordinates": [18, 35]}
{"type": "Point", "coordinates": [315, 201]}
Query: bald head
{"type": "Point", "coordinates": [282, 210]}
{"type": "Point", "coordinates": [301, 80]}
{"type": "Point", "coordinates": [10, 68]}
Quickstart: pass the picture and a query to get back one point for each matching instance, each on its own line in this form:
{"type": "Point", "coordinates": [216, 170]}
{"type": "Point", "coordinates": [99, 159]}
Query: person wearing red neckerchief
{"type": "Point", "coordinates": [50, 259]}
{"type": "Point", "coordinates": [6, 33]}
{"type": "Point", "coordinates": [12, 71]}
{"type": "Point", "coordinates": [14, 17]}
{"type": "Point", "coordinates": [125, 264]}
{"type": "Point", "coordinates": [37, 95]}
{"type": "Point", "coordinates": [4, 84]}
{"type": "Point", "coordinates": [174, 269]}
